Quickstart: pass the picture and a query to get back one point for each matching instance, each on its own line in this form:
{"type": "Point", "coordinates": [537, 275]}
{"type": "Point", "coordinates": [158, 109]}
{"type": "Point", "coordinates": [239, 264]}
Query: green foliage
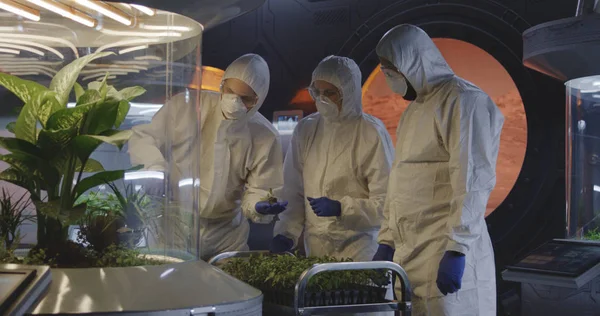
{"type": "Point", "coordinates": [592, 234]}
{"type": "Point", "coordinates": [12, 216]}
{"type": "Point", "coordinates": [54, 158]}
{"type": "Point", "coordinates": [282, 273]}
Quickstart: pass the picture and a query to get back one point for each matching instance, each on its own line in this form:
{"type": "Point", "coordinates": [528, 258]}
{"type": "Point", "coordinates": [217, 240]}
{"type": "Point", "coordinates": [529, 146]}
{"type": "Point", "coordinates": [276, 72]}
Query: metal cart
{"type": "Point", "coordinates": [399, 307]}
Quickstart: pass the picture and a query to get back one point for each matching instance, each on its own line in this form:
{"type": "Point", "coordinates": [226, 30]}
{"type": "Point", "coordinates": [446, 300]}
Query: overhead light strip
{"type": "Point", "coordinates": [18, 38]}
{"type": "Point", "coordinates": [9, 51]}
{"type": "Point", "coordinates": [132, 49]}
{"type": "Point", "coordinates": [21, 47]}
{"type": "Point", "coordinates": [66, 11]}
{"type": "Point", "coordinates": [20, 10]}
{"type": "Point", "coordinates": [107, 10]}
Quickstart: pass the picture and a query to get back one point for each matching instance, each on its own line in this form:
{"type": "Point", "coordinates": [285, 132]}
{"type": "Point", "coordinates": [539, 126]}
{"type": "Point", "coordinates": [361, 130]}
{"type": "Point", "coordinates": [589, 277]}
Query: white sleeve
{"type": "Point", "coordinates": [266, 174]}
{"type": "Point", "coordinates": [291, 221]}
{"type": "Point", "coordinates": [147, 142]}
{"type": "Point", "coordinates": [368, 213]}
{"type": "Point", "coordinates": [471, 131]}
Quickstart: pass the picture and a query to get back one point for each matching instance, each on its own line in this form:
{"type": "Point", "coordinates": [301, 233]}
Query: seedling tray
{"type": "Point", "coordinates": [362, 299]}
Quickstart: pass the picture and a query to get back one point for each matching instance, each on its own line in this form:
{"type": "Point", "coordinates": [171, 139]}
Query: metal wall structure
{"type": "Point", "coordinates": [294, 35]}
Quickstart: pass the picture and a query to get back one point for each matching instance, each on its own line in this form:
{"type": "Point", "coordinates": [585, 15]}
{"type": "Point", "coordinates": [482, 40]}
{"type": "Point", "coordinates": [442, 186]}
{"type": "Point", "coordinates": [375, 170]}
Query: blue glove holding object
{"type": "Point", "coordinates": [281, 244]}
{"type": "Point", "coordinates": [325, 207]}
{"type": "Point", "coordinates": [450, 273]}
{"type": "Point", "coordinates": [384, 253]}
{"type": "Point", "coordinates": [266, 208]}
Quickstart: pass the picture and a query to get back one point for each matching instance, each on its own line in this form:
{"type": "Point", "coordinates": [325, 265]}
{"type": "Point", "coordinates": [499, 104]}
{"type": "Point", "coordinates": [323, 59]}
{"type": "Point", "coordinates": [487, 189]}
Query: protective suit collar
{"type": "Point", "coordinates": [253, 70]}
{"type": "Point", "coordinates": [345, 75]}
{"type": "Point", "coordinates": [415, 55]}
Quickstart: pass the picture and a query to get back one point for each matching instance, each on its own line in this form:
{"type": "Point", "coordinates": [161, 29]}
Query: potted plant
{"type": "Point", "coordinates": [276, 277]}
{"type": "Point", "coordinates": [51, 152]}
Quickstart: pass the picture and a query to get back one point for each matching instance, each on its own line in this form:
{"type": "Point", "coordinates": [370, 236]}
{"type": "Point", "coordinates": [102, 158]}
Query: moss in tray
{"type": "Point", "coordinates": [276, 277]}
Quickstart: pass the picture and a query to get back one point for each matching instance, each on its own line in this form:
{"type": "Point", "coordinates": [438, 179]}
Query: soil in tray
{"type": "Point", "coordinates": [363, 295]}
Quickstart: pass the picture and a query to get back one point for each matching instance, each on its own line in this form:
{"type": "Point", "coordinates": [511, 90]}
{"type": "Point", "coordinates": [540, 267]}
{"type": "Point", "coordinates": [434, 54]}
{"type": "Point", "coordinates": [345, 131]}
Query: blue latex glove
{"type": "Point", "coordinates": [384, 253]}
{"type": "Point", "coordinates": [266, 208]}
{"type": "Point", "coordinates": [450, 273]}
{"type": "Point", "coordinates": [325, 207]}
{"type": "Point", "coordinates": [281, 244]}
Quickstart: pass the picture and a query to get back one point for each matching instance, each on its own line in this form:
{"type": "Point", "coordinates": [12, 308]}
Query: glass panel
{"type": "Point", "coordinates": [139, 187]}
{"type": "Point", "coordinates": [583, 158]}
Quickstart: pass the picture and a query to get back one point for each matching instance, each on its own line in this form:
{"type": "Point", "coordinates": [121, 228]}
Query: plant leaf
{"type": "Point", "coordinates": [54, 140]}
{"type": "Point", "coordinates": [124, 107]}
{"type": "Point", "coordinates": [132, 92]}
{"type": "Point", "coordinates": [78, 91]}
{"type": "Point", "coordinates": [101, 118]}
{"type": "Point", "coordinates": [18, 178]}
{"type": "Point", "coordinates": [23, 89]}
{"type": "Point", "coordinates": [84, 146]}
{"type": "Point", "coordinates": [90, 96]}
{"type": "Point", "coordinates": [113, 137]}
{"type": "Point", "coordinates": [91, 165]}
{"type": "Point", "coordinates": [15, 145]}
{"type": "Point", "coordinates": [98, 179]}
{"type": "Point", "coordinates": [39, 108]}
{"type": "Point", "coordinates": [63, 81]}
{"type": "Point", "coordinates": [69, 117]}
{"type": "Point", "coordinates": [67, 217]}
{"type": "Point", "coordinates": [11, 127]}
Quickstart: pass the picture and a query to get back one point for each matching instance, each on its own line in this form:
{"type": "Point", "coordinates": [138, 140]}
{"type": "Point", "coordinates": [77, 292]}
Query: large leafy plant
{"type": "Point", "coordinates": [53, 143]}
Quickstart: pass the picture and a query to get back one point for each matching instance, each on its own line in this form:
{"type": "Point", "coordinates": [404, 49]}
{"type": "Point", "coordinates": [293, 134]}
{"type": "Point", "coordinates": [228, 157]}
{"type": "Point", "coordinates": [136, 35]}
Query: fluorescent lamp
{"type": "Point", "coordinates": [145, 10]}
{"type": "Point", "coordinates": [17, 38]}
{"type": "Point", "coordinates": [132, 49]}
{"type": "Point", "coordinates": [21, 47]}
{"type": "Point", "coordinates": [20, 9]}
{"type": "Point", "coordinates": [32, 73]}
{"type": "Point", "coordinates": [106, 10]}
{"type": "Point", "coordinates": [66, 11]}
{"type": "Point", "coordinates": [137, 175]}
{"type": "Point", "coordinates": [9, 51]}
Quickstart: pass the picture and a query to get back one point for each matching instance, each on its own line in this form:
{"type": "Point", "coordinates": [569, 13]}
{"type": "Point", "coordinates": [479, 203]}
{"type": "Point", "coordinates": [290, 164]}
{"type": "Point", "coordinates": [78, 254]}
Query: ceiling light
{"type": "Point", "coordinates": [32, 73]}
{"type": "Point", "coordinates": [140, 41]}
{"type": "Point", "coordinates": [132, 49]}
{"type": "Point", "coordinates": [66, 11]}
{"type": "Point", "coordinates": [103, 74]}
{"type": "Point", "coordinates": [18, 39]}
{"type": "Point", "coordinates": [20, 9]}
{"type": "Point", "coordinates": [21, 47]}
{"type": "Point", "coordinates": [107, 10]}
{"type": "Point", "coordinates": [596, 83]}
{"type": "Point", "coordinates": [145, 10]}
{"type": "Point", "coordinates": [9, 51]}
{"type": "Point", "coordinates": [165, 28]}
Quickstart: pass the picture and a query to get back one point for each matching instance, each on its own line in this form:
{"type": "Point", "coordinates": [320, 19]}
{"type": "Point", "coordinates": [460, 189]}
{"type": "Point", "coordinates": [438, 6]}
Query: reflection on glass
{"type": "Point", "coordinates": [583, 158]}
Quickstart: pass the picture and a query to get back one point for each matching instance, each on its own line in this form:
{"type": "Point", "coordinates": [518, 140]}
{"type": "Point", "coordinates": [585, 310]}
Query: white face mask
{"type": "Point", "coordinates": [396, 82]}
{"type": "Point", "coordinates": [232, 107]}
{"type": "Point", "coordinates": [326, 107]}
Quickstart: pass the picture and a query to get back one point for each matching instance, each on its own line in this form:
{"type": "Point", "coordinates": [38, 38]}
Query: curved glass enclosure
{"type": "Point", "coordinates": [88, 141]}
{"type": "Point", "coordinates": [583, 158]}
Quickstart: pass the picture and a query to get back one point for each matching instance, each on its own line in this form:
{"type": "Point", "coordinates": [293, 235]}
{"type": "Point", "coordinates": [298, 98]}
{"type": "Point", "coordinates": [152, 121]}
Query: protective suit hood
{"type": "Point", "coordinates": [415, 55]}
{"type": "Point", "coordinates": [253, 70]}
{"type": "Point", "coordinates": [345, 75]}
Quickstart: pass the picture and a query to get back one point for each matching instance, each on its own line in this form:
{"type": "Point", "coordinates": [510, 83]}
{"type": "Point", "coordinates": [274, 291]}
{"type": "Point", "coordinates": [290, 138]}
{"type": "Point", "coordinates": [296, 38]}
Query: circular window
{"type": "Point", "coordinates": [477, 66]}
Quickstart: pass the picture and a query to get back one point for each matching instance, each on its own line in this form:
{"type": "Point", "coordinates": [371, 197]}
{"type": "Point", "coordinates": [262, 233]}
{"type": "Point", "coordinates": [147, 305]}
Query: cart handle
{"type": "Point", "coordinates": [345, 266]}
{"type": "Point", "coordinates": [242, 254]}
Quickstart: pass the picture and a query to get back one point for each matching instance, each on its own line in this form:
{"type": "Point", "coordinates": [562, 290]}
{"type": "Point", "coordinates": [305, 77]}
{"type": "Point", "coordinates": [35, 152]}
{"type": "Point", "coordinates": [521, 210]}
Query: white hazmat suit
{"type": "Point", "coordinates": [345, 156]}
{"type": "Point", "coordinates": [443, 173]}
{"type": "Point", "coordinates": [240, 160]}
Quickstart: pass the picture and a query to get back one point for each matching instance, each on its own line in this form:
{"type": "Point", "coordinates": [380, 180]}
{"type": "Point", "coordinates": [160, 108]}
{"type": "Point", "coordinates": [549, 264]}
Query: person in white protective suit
{"type": "Point", "coordinates": [441, 179]}
{"type": "Point", "coordinates": [240, 156]}
{"type": "Point", "coordinates": [336, 170]}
